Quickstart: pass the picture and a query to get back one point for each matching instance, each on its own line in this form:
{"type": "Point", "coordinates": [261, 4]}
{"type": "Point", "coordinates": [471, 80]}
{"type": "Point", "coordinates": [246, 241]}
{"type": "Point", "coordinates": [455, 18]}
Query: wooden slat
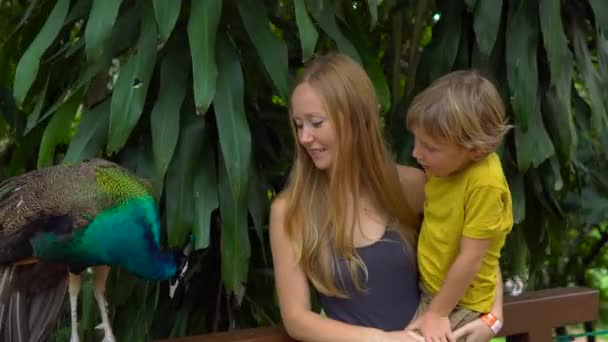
{"type": "Point", "coordinates": [530, 317]}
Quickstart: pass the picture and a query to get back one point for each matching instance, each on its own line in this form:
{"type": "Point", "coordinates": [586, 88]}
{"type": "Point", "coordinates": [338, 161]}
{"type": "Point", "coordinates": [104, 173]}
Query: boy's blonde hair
{"type": "Point", "coordinates": [319, 219]}
{"type": "Point", "coordinates": [462, 107]}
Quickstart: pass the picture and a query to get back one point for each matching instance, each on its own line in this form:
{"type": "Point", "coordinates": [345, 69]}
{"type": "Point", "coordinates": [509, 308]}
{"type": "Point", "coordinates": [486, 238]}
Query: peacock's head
{"type": "Point", "coordinates": [182, 266]}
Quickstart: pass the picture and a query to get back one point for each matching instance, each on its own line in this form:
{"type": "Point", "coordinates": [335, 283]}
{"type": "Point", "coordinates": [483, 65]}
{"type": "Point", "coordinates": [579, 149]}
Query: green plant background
{"type": "Point", "coordinates": [192, 95]}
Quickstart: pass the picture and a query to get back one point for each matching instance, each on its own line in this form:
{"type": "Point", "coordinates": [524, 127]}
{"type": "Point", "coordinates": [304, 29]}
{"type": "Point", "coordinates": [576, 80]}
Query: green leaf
{"type": "Point", "coordinates": [373, 12]}
{"type": "Point", "coordinates": [487, 23]}
{"type": "Point", "coordinates": [234, 244]}
{"type": "Point", "coordinates": [557, 104]}
{"type": "Point", "coordinates": [233, 130]}
{"type": "Point", "coordinates": [307, 30]}
{"type": "Point", "coordinates": [325, 15]}
{"type": "Point", "coordinates": [202, 30]}
{"type": "Point", "coordinates": [271, 50]}
{"type": "Point", "coordinates": [258, 205]}
{"type": "Point", "coordinates": [164, 119]}
{"type": "Point", "coordinates": [522, 73]}
{"type": "Point", "coordinates": [533, 145]}
{"type": "Point", "coordinates": [131, 87]}
{"type": "Point", "coordinates": [32, 119]}
{"type": "Point", "coordinates": [590, 77]}
{"type": "Point", "coordinates": [440, 55]}
{"type": "Point", "coordinates": [600, 12]}
{"type": "Point", "coordinates": [27, 69]}
{"type": "Point", "coordinates": [516, 185]}
{"type": "Point", "coordinates": [180, 177]}
{"type": "Point", "coordinates": [91, 134]}
{"type": "Point", "coordinates": [205, 194]}
{"type": "Point", "coordinates": [99, 27]}
{"type": "Point", "coordinates": [167, 12]}
{"type": "Point", "coordinates": [58, 129]}
{"type": "Point", "coordinates": [471, 4]}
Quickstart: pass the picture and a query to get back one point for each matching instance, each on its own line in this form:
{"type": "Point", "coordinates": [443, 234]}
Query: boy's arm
{"type": "Point", "coordinates": [497, 306]}
{"type": "Point", "coordinates": [434, 323]}
{"type": "Point", "coordinates": [461, 274]}
{"type": "Point", "coordinates": [479, 330]}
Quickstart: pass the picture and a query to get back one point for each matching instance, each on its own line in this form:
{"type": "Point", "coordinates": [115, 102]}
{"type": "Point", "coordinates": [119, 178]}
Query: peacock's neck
{"type": "Point", "coordinates": [158, 266]}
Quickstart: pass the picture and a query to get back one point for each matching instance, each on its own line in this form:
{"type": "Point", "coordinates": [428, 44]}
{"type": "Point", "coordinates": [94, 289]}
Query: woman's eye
{"type": "Point", "coordinates": [317, 124]}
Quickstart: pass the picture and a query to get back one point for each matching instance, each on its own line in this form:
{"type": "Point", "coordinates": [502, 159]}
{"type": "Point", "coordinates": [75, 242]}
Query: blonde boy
{"type": "Point", "coordinates": [458, 122]}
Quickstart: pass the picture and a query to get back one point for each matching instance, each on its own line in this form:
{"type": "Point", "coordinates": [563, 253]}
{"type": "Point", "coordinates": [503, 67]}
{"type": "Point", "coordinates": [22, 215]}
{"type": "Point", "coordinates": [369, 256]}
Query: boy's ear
{"type": "Point", "coordinates": [476, 154]}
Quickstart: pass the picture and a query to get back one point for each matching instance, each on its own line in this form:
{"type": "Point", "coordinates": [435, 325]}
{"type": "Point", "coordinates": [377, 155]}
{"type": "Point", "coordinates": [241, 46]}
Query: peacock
{"type": "Point", "coordinates": [56, 222]}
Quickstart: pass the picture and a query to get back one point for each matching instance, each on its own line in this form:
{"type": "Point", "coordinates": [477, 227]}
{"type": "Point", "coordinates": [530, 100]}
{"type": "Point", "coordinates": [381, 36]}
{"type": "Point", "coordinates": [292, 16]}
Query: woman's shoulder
{"type": "Point", "coordinates": [278, 204]}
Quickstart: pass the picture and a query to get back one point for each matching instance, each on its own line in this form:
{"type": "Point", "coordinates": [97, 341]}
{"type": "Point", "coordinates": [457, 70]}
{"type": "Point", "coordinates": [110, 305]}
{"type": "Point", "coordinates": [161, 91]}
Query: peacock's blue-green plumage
{"type": "Point", "coordinates": [67, 218]}
{"type": "Point", "coordinates": [126, 235]}
{"type": "Point", "coordinates": [92, 213]}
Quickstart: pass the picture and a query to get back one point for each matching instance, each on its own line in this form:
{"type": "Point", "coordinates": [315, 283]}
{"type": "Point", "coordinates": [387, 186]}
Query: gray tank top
{"type": "Point", "coordinates": [391, 292]}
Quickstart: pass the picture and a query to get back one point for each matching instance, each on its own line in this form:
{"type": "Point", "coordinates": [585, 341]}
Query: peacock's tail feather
{"type": "Point", "coordinates": [31, 298]}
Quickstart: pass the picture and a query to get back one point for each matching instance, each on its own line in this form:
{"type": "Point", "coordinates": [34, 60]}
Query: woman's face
{"type": "Point", "coordinates": [313, 126]}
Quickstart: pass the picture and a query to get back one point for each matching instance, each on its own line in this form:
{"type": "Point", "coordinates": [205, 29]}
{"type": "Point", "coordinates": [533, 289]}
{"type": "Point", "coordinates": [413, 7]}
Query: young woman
{"type": "Point", "coordinates": [347, 221]}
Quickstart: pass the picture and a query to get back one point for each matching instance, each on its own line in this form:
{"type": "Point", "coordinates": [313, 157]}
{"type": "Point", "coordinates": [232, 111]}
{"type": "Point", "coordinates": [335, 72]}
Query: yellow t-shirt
{"type": "Point", "coordinates": [475, 203]}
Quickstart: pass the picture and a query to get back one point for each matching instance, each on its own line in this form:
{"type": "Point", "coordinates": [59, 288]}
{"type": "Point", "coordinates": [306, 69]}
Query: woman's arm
{"type": "Point", "coordinates": [412, 183]}
{"type": "Point", "coordinates": [299, 320]}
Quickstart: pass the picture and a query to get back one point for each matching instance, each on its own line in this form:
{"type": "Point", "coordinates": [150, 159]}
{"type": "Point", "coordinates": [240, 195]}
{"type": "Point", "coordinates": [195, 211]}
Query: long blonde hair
{"type": "Point", "coordinates": [322, 207]}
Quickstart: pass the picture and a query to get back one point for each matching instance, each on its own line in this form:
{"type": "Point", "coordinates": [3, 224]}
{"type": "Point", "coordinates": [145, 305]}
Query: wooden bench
{"type": "Point", "coordinates": [530, 317]}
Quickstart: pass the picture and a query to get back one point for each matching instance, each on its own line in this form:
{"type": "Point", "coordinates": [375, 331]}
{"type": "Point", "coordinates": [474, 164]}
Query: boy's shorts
{"type": "Point", "coordinates": [459, 317]}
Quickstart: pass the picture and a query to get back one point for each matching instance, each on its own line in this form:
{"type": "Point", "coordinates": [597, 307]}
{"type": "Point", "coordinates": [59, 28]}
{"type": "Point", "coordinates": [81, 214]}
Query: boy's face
{"type": "Point", "coordinates": [438, 157]}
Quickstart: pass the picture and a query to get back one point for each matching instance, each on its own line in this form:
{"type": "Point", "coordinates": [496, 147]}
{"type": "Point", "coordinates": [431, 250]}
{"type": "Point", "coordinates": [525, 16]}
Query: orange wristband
{"type": "Point", "coordinates": [494, 323]}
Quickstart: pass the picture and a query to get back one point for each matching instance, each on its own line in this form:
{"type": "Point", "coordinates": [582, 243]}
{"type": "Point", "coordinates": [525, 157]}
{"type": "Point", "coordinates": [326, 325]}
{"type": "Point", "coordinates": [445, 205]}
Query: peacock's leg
{"type": "Point", "coordinates": [74, 290]}
{"type": "Point", "coordinates": [101, 274]}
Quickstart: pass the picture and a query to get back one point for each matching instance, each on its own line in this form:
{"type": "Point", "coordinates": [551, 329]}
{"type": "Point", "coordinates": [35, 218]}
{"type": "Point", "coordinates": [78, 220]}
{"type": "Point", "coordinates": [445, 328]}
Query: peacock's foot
{"type": "Point", "coordinates": [108, 335]}
{"type": "Point", "coordinates": [108, 339]}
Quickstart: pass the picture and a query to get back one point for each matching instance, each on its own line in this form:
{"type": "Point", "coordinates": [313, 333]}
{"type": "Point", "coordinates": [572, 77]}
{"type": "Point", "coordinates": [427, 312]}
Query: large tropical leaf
{"type": "Point", "coordinates": [179, 182]}
{"type": "Point", "coordinates": [487, 23]}
{"type": "Point", "coordinates": [167, 12]}
{"type": "Point", "coordinates": [99, 27]}
{"type": "Point", "coordinates": [132, 84]}
{"type": "Point", "coordinates": [271, 49]}
{"type": "Point", "coordinates": [58, 129]}
{"type": "Point", "coordinates": [559, 117]}
{"type": "Point", "coordinates": [91, 134]}
{"type": "Point", "coordinates": [202, 30]}
{"type": "Point", "coordinates": [165, 116]}
{"type": "Point", "coordinates": [325, 14]}
{"type": "Point", "coordinates": [234, 245]}
{"type": "Point", "coordinates": [591, 79]}
{"type": "Point", "coordinates": [232, 127]}
{"type": "Point", "coordinates": [27, 69]}
{"type": "Point", "coordinates": [522, 71]}
{"type": "Point", "coordinates": [205, 190]}
{"type": "Point", "coordinates": [307, 32]}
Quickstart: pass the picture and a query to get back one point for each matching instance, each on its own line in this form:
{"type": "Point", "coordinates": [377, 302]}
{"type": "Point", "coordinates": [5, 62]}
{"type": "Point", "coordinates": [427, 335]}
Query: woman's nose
{"type": "Point", "coordinates": [305, 136]}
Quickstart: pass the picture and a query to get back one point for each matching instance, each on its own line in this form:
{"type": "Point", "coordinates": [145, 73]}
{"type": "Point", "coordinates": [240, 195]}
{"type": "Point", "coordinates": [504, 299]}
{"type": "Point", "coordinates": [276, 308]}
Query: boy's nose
{"type": "Point", "coordinates": [416, 153]}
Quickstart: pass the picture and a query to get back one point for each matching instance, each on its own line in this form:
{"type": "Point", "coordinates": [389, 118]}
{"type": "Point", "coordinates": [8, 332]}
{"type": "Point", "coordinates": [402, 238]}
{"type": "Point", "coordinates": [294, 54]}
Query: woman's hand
{"type": "Point", "coordinates": [401, 336]}
{"type": "Point", "coordinates": [476, 331]}
{"type": "Point", "coordinates": [433, 327]}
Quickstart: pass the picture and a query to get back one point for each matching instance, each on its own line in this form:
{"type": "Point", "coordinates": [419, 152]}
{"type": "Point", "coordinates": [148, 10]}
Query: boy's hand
{"type": "Point", "coordinates": [433, 327]}
{"type": "Point", "coordinates": [476, 331]}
